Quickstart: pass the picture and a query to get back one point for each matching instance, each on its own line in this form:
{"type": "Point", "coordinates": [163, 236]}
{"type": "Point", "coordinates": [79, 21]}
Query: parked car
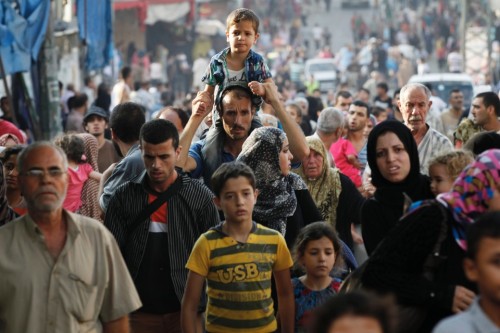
{"type": "Point", "coordinates": [324, 71]}
{"type": "Point", "coordinates": [444, 83]}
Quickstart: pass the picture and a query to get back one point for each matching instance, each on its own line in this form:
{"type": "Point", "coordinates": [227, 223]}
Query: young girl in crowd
{"type": "Point", "coordinates": [78, 169]}
{"type": "Point", "coordinates": [317, 249]}
{"type": "Point", "coordinates": [445, 168]}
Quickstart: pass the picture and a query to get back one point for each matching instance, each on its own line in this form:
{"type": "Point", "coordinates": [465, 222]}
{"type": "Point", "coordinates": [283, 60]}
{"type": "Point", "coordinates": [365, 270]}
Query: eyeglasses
{"type": "Point", "coordinates": [40, 174]}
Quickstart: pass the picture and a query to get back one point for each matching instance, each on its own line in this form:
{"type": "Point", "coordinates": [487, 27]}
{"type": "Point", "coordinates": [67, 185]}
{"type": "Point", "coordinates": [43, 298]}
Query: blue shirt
{"type": "Point", "coordinates": [195, 152]}
{"type": "Point", "coordinates": [129, 167]}
{"type": "Point", "coordinates": [474, 320]}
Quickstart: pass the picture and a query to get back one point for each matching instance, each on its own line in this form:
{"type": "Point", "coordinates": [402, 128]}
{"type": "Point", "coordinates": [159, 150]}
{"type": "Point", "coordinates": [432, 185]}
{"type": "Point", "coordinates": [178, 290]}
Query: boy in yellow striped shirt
{"type": "Point", "coordinates": [238, 258]}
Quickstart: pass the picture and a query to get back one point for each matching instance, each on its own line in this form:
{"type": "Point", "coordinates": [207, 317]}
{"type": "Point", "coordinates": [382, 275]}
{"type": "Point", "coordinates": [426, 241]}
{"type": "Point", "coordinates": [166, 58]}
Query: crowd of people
{"type": "Point", "coordinates": [246, 212]}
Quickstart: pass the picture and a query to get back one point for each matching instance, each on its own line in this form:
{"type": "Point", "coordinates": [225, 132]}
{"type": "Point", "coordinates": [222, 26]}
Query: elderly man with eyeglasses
{"type": "Point", "coordinates": [60, 272]}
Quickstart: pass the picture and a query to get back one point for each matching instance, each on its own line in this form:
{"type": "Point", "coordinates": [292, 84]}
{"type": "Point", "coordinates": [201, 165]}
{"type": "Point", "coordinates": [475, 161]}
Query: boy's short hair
{"type": "Point", "coordinates": [485, 226]}
{"type": "Point", "coordinates": [158, 131]}
{"type": "Point", "coordinates": [228, 170]}
{"type": "Point", "coordinates": [242, 14]}
{"type": "Point", "coordinates": [454, 161]}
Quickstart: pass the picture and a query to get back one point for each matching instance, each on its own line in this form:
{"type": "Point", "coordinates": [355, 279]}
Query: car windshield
{"type": "Point", "coordinates": [444, 88]}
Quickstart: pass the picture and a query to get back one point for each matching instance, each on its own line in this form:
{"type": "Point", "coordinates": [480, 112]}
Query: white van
{"type": "Point", "coordinates": [444, 83]}
{"type": "Point", "coordinates": [324, 71]}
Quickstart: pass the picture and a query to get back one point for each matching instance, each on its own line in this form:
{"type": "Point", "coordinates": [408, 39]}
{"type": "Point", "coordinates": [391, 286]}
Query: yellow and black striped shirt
{"type": "Point", "coordinates": [239, 278]}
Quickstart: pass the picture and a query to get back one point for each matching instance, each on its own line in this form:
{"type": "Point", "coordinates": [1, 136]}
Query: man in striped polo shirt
{"type": "Point", "coordinates": [156, 247]}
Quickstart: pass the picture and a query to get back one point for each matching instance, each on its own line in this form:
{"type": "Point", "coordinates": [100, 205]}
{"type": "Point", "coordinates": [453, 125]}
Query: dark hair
{"type": "Point", "coordinates": [485, 226]}
{"type": "Point", "coordinates": [490, 99]}
{"type": "Point", "coordinates": [9, 151]}
{"type": "Point", "coordinates": [87, 80]}
{"type": "Point", "coordinates": [312, 232]}
{"type": "Point", "coordinates": [377, 110]}
{"type": "Point", "coordinates": [126, 121]}
{"type": "Point", "coordinates": [3, 99]}
{"type": "Point", "coordinates": [228, 170]}
{"type": "Point", "coordinates": [240, 92]}
{"type": "Point", "coordinates": [242, 14]}
{"type": "Point", "coordinates": [125, 72]}
{"type": "Point", "coordinates": [77, 101]}
{"type": "Point", "coordinates": [397, 92]}
{"type": "Point", "coordinates": [362, 104]}
{"type": "Point", "coordinates": [183, 116]}
{"type": "Point", "coordinates": [73, 146]}
{"type": "Point", "coordinates": [343, 94]}
{"type": "Point", "coordinates": [157, 131]}
{"type": "Point", "coordinates": [454, 91]}
{"type": "Point", "coordinates": [383, 85]}
{"type": "Point", "coordinates": [355, 303]}
{"type": "Point", "coordinates": [103, 99]}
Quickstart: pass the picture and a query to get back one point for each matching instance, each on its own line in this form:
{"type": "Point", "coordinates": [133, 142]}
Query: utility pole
{"type": "Point", "coordinates": [50, 113]}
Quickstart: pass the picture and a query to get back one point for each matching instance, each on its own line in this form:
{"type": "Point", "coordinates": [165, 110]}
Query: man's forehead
{"type": "Point", "coordinates": [231, 101]}
{"type": "Point", "coordinates": [43, 156]}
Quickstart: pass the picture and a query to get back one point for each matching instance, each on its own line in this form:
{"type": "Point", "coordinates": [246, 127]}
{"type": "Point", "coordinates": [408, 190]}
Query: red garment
{"type": "Point", "coordinates": [6, 127]}
{"type": "Point", "coordinates": [76, 179]}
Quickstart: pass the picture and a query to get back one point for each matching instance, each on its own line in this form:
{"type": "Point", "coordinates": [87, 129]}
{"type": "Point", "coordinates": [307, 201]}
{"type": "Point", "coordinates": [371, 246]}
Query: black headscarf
{"type": "Point", "coordinates": [404, 134]}
{"type": "Point", "coordinates": [415, 185]}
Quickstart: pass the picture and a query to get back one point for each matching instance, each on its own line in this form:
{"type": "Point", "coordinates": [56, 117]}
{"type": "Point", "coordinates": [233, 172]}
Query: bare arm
{"type": "Point", "coordinates": [119, 325]}
{"type": "Point", "coordinates": [190, 300]}
{"type": "Point", "coordinates": [286, 300]}
{"type": "Point", "coordinates": [296, 138]}
{"type": "Point", "coordinates": [201, 106]}
{"type": "Point", "coordinates": [95, 175]}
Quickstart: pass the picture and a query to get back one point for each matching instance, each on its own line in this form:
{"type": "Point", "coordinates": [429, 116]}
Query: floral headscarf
{"type": "Point", "coordinates": [276, 200]}
{"type": "Point", "coordinates": [325, 190]}
{"type": "Point", "coordinates": [472, 191]}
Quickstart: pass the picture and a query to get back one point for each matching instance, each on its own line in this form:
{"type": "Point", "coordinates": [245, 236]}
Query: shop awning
{"type": "Point", "coordinates": [151, 11]}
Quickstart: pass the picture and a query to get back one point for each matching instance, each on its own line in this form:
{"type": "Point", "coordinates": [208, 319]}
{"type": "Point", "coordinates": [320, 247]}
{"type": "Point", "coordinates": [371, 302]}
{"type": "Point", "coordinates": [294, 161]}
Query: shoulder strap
{"type": "Point", "coordinates": [153, 206]}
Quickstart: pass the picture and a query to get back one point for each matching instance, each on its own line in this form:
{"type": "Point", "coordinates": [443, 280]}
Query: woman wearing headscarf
{"type": "Point", "coordinates": [283, 203]}
{"type": "Point", "coordinates": [420, 261]}
{"type": "Point", "coordinates": [393, 159]}
{"type": "Point", "coordinates": [90, 203]}
{"type": "Point", "coordinates": [335, 195]}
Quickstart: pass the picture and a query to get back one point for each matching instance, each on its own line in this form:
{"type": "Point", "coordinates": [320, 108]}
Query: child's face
{"type": "Point", "coordinates": [285, 158]}
{"type": "Point", "coordinates": [241, 36]}
{"type": "Point", "coordinates": [318, 258]}
{"type": "Point", "coordinates": [355, 324]}
{"type": "Point", "coordinates": [441, 182]}
{"type": "Point", "coordinates": [237, 199]}
{"type": "Point", "coordinates": [485, 269]}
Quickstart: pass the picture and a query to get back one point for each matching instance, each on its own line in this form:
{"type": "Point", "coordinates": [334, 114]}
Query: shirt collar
{"type": "Point", "coordinates": [73, 227]}
{"type": "Point", "coordinates": [482, 322]}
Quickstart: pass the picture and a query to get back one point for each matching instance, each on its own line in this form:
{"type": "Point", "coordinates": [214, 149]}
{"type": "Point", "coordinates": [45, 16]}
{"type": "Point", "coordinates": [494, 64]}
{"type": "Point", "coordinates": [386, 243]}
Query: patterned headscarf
{"type": "Point", "coordinates": [276, 200]}
{"type": "Point", "coordinates": [325, 190]}
{"type": "Point", "coordinates": [472, 191]}
{"type": "Point", "coordinates": [90, 204]}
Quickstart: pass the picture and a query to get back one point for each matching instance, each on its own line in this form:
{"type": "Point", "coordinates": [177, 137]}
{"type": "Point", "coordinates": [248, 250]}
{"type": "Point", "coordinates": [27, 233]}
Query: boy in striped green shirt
{"type": "Point", "coordinates": [237, 259]}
